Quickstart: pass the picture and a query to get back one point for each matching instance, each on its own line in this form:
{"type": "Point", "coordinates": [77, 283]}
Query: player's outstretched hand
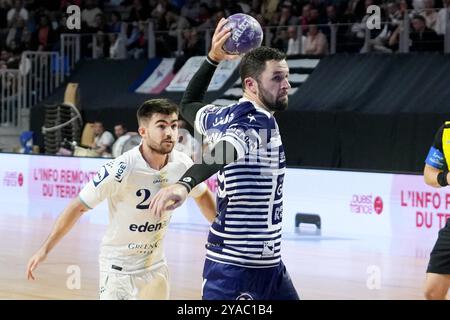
{"type": "Point", "coordinates": [221, 35]}
{"type": "Point", "coordinates": [168, 199]}
{"type": "Point", "coordinates": [37, 258]}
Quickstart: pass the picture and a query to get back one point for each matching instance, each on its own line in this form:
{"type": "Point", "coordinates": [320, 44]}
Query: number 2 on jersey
{"type": "Point", "coordinates": [146, 194]}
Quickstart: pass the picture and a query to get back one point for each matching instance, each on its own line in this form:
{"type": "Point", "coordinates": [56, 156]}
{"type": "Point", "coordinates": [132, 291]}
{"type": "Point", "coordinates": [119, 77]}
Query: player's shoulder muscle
{"type": "Point", "coordinates": [183, 158]}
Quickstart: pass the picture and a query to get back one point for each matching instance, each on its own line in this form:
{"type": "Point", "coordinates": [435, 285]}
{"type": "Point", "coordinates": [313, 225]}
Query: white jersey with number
{"type": "Point", "coordinates": [134, 238]}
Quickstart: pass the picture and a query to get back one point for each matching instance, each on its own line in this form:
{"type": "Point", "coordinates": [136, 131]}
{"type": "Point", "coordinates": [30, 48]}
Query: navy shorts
{"type": "Point", "coordinates": [228, 282]}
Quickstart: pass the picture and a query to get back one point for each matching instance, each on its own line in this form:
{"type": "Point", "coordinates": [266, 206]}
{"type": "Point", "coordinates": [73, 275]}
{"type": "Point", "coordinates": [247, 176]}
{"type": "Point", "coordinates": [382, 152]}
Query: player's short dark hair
{"type": "Point", "coordinates": [152, 106]}
{"type": "Point", "coordinates": [254, 62]}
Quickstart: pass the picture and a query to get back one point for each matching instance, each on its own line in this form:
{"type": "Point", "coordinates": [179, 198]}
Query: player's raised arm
{"type": "Point", "coordinates": [192, 99]}
{"type": "Point", "coordinates": [63, 225]}
{"type": "Point", "coordinates": [173, 196]}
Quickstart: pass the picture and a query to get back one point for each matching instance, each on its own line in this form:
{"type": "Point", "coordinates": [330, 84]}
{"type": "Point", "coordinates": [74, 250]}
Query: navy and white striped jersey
{"type": "Point", "coordinates": [247, 230]}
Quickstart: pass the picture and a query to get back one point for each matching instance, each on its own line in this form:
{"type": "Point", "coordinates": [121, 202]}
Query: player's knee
{"type": "Point", "coordinates": [434, 293]}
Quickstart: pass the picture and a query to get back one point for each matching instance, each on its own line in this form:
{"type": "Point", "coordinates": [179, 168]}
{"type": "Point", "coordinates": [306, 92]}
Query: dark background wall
{"type": "Point", "coordinates": [351, 140]}
{"type": "Point", "coordinates": [361, 112]}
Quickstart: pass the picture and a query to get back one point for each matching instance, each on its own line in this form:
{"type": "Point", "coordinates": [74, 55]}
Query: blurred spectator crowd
{"type": "Point", "coordinates": [120, 27]}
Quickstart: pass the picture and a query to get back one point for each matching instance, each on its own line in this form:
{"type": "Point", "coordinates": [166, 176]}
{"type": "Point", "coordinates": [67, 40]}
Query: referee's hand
{"type": "Point", "coordinates": [221, 34]}
{"type": "Point", "coordinates": [168, 199]}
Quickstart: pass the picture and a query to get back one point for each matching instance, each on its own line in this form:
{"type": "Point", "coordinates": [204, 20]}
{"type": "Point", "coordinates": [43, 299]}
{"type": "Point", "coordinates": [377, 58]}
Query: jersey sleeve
{"type": "Point", "coordinates": [247, 132]}
{"type": "Point", "coordinates": [435, 157]}
{"type": "Point", "coordinates": [204, 116]}
{"type": "Point", "coordinates": [105, 184]}
{"type": "Point", "coordinates": [242, 126]}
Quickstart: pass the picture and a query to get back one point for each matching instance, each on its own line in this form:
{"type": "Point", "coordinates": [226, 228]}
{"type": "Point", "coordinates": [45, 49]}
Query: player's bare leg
{"type": "Point", "coordinates": [436, 286]}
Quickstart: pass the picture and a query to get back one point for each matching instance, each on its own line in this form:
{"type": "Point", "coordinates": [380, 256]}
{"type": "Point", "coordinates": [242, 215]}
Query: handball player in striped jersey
{"type": "Point", "coordinates": [243, 259]}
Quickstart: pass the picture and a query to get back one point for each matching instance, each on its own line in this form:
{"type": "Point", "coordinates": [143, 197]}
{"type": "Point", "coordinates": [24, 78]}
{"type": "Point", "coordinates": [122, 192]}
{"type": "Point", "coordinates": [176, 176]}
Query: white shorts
{"type": "Point", "coordinates": [145, 285]}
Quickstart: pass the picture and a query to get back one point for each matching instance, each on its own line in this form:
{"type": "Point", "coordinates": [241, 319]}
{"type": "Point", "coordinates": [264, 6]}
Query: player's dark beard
{"type": "Point", "coordinates": [159, 148]}
{"type": "Point", "coordinates": [277, 105]}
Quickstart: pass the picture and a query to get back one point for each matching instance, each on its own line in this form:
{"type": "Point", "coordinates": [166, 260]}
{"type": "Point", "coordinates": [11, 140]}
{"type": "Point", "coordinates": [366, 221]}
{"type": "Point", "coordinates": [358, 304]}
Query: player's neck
{"type": "Point", "coordinates": [254, 98]}
{"type": "Point", "coordinates": [154, 159]}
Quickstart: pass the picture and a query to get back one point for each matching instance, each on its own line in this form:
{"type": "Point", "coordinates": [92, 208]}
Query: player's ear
{"type": "Point", "coordinates": [250, 85]}
{"type": "Point", "coordinates": [142, 131]}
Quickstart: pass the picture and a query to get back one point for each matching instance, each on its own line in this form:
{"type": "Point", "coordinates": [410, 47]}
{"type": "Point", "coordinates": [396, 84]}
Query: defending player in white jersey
{"type": "Point", "coordinates": [132, 261]}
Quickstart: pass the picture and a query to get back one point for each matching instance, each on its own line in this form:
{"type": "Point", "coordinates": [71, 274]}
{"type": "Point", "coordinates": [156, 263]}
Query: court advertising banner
{"type": "Point", "coordinates": [349, 203]}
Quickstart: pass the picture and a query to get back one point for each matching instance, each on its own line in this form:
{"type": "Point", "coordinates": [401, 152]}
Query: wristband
{"type": "Point", "coordinates": [442, 178]}
{"type": "Point", "coordinates": [211, 61]}
{"type": "Point", "coordinates": [187, 182]}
